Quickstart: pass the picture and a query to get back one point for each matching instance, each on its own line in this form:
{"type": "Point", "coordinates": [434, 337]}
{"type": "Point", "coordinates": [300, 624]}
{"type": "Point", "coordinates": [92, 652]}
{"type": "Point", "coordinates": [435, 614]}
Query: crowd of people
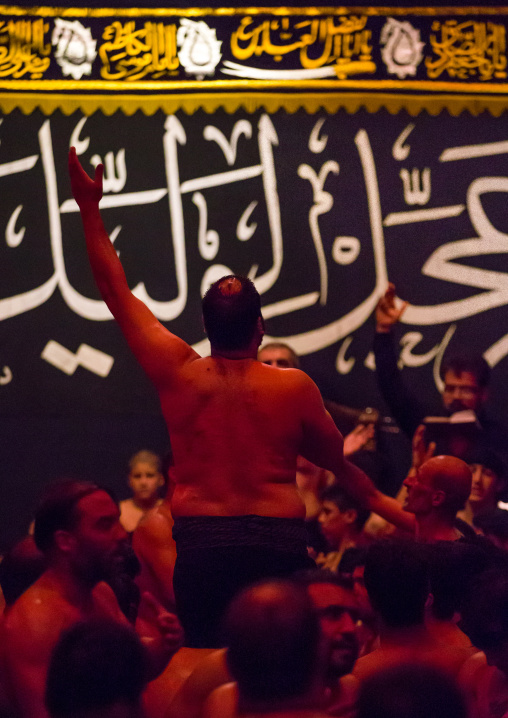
{"type": "Point", "coordinates": [258, 569]}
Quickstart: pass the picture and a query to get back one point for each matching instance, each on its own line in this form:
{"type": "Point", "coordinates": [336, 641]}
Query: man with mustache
{"type": "Point", "coordinates": [466, 378]}
{"type": "Point", "coordinates": [335, 610]}
{"type": "Point", "coordinates": [77, 528]}
{"type": "Point", "coordinates": [334, 601]}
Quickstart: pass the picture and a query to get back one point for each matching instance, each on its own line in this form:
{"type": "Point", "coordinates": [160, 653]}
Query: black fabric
{"type": "Point", "coordinates": [282, 534]}
{"type": "Point", "coordinates": [207, 577]}
{"type": "Point", "coordinates": [407, 410]}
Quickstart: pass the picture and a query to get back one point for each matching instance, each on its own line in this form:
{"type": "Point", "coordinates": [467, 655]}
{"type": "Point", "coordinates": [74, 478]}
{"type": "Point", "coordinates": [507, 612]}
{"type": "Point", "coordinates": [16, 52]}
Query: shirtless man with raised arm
{"type": "Point", "coordinates": [236, 428]}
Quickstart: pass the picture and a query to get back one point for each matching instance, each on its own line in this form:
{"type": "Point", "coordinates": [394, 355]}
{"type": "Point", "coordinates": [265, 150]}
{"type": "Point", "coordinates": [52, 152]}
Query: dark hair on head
{"type": "Point", "coordinates": [472, 363]}
{"type": "Point", "coordinates": [273, 636]}
{"type": "Point", "coordinates": [486, 457]}
{"type": "Point", "coordinates": [344, 501]}
{"type": "Point", "coordinates": [231, 308]}
{"type": "Point", "coordinates": [397, 581]}
{"type": "Point", "coordinates": [493, 523]}
{"type": "Point", "coordinates": [490, 459]}
{"type": "Point", "coordinates": [311, 576]}
{"type": "Point", "coordinates": [452, 567]}
{"type": "Point", "coordinates": [295, 360]}
{"type": "Point", "coordinates": [19, 568]}
{"type": "Point", "coordinates": [95, 665]}
{"type": "Point", "coordinates": [58, 509]}
{"type": "Point", "coordinates": [485, 610]}
{"type": "Point", "coordinates": [351, 559]}
{"type": "Point", "coordinates": [410, 691]}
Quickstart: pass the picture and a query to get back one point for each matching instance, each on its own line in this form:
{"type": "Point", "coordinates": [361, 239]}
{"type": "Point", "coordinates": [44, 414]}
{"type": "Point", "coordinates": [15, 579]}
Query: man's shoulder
{"type": "Point", "coordinates": [155, 525]}
{"type": "Point", "coordinates": [369, 664]}
{"type": "Point", "coordinates": [294, 378]}
{"type": "Point", "coordinates": [105, 602]}
{"type": "Point", "coordinates": [40, 597]}
{"type": "Point", "coordinates": [37, 617]}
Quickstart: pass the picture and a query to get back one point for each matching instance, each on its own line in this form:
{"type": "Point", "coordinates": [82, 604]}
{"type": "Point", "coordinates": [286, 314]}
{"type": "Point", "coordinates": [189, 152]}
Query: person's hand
{"type": "Point", "coordinates": [357, 438]}
{"type": "Point", "coordinates": [421, 452]}
{"type": "Point", "coordinates": [155, 623]}
{"type": "Point", "coordinates": [85, 190]}
{"type": "Point", "coordinates": [388, 311]}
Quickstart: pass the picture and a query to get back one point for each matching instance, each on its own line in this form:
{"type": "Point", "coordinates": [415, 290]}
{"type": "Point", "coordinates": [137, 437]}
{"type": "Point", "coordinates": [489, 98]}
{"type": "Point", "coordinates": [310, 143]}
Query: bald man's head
{"type": "Point", "coordinates": [450, 475]}
{"type": "Point", "coordinates": [441, 484]}
{"type": "Point", "coordinates": [272, 634]}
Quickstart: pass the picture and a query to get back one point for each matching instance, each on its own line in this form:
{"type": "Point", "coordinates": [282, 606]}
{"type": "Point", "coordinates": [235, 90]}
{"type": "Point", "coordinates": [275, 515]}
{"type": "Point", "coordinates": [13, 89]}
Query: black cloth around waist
{"type": "Point", "coordinates": [280, 534]}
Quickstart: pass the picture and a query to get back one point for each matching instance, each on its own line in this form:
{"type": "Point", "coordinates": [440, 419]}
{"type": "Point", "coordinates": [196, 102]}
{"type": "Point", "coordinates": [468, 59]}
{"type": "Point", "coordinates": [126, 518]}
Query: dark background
{"type": "Point", "coordinates": [53, 425]}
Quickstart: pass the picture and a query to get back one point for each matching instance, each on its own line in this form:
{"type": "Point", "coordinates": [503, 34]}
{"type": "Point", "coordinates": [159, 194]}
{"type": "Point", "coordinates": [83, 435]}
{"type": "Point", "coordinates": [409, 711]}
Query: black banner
{"type": "Point", "coordinates": [131, 49]}
{"type": "Point", "coordinates": [319, 209]}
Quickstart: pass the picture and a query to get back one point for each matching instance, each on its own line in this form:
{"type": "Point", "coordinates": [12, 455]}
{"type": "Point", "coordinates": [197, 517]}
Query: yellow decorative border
{"type": "Point", "coordinates": [250, 102]}
{"type": "Point", "coordinates": [46, 11]}
{"type": "Point", "coordinates": [274, 85]}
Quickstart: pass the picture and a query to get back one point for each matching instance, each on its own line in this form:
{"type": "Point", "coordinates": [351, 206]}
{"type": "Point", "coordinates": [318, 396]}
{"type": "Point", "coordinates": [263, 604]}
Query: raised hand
{"type": "Point", "coordinates": [84, 188]}
{"type": "Point", "coordinates": [421, 451]}
{"type": "Point", "coordinates": [357, 438]}
{"type": "Point", "coordinates": [388, 310]}
{"type": "Point", "coordinates": [155, 622]}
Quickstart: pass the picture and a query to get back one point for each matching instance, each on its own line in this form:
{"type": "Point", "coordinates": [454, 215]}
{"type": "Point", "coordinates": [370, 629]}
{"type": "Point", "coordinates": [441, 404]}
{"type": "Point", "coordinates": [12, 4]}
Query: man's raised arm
{"type": "Point", "coordinates": [157, 350]}
{"type": "Point", "coordinates": [324, 446]}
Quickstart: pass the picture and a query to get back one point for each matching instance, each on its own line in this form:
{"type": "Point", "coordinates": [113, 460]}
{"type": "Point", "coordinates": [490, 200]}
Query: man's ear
{"type": "Point", "coordinates": [64, 540]}
{"type": "Point", "coordinates": [438, 498]}
{"type": "Point", "coordinates": [350, 516]}
{"type": "Point", "coordinates": [261, 326]}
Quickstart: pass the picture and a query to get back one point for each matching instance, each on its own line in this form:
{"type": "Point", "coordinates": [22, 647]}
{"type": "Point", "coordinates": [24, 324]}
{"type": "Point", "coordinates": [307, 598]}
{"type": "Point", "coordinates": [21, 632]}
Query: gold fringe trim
{"type": "Point", "coordinates": [112, 86]}
{"type": "Point", "coordinates": [250, 102]}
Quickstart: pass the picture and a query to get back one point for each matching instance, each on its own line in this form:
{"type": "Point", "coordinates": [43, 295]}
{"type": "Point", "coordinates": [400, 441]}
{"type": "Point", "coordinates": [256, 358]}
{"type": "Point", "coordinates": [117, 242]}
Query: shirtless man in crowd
{"type": "Point", "coordinates": [435, 493]}
{"type": "Point", "coordinates": [236, 428]}
{"type": "Point", "coordinates": [77, 528]}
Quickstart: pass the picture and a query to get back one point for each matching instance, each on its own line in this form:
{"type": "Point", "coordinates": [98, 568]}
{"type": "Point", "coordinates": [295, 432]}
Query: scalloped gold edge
{"type": "Point", "coordinates": [250, 102]}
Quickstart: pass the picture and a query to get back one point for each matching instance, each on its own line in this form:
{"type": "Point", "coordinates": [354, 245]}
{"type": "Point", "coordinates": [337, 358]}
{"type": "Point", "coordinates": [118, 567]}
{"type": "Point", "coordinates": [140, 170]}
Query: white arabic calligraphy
{"type": "Point", "coordinates": [443, 264]}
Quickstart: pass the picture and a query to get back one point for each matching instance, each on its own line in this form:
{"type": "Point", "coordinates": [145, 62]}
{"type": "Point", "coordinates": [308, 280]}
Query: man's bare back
{"type": "Point", "coordinates": [236, 426]}
{"type": "Point", "coordinates": [236, 429]}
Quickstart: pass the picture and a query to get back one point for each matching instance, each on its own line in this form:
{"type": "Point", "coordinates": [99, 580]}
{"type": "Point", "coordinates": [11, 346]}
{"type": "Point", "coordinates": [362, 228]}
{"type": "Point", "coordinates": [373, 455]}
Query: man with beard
{"type": "Point", "coordinates": [465, 382]}
{"type": "Point", "coordinates": [77, 528]}
{"type": "Point", "coordinates": [277, 654]}
{"type": "Point", "coordinates": [339, 614]}
{"type": "Point", "coordinates": [335, 607]}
